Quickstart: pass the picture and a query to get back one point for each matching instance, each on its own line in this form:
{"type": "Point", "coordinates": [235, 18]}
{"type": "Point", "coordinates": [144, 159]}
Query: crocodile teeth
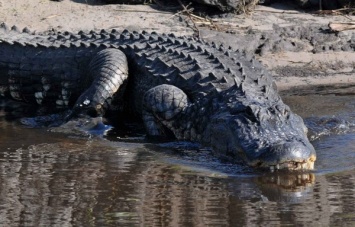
{"type": "Point", "coordinates": [39, 95]}
{"type": "Point", "coordinates": [299, 165]}
{"type": "Point", "coordinates": [292, 166]}
{"type": "Point", "coordinates": [59, 102]}
{"type": "Point", "coordinates": [284, 165]}
{"type": "Point", "coordinates": [272, 169]}
{"type": "Point", "coordinates": [46, 87]}
{"type": "Point", "coordinates": [306, 165]}
{"type": "Point", "coordinates": [39, 101]}
{"type": "Point", "coordinates": [311, 165]}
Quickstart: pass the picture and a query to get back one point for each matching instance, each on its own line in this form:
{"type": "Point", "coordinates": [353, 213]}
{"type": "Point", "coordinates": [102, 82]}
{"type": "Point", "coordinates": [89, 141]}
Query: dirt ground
{"type": "Point", "coordinates": [296, 46]}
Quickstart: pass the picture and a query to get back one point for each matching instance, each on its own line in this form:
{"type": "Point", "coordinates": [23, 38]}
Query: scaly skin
{"type": "Point", "coordinates": [180, 86]}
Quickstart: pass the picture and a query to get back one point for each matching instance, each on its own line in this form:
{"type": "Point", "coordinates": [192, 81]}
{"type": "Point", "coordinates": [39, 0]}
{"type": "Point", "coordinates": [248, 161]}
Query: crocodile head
{"type": "Point", "coordinates": [263, 135]}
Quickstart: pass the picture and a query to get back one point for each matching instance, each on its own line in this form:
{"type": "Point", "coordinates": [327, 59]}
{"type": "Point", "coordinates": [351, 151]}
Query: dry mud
{"type": "Point", "coordinates": [296, 46]}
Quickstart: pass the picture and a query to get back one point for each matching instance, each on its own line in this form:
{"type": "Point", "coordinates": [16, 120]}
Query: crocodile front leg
{"type": "Point", "coordinates": [109, 70]}
{"type": "Point", "coordinates": [163, 108]}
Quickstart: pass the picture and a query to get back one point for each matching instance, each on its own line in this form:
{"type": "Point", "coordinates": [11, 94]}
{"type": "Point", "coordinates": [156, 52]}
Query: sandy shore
{"type": "Point", "coordinates": [291, 68]}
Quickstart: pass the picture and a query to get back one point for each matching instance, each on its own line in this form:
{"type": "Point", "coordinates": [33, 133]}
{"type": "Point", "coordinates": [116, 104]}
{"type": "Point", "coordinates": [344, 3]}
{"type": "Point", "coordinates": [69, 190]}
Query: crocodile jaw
{"type": "Point", "coordinates": [295, 166]}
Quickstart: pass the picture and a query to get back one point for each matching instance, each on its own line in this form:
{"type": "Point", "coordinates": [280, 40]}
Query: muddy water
{"type": "Point", "coordinates": [51, 179]}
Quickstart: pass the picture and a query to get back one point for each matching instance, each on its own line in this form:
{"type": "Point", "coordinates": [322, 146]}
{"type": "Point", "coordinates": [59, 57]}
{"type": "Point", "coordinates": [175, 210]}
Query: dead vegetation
{"type": "Point", "coordinates": [196, 22]}
{"type": "Point", "coordinates": [247, 7]}
{"type": "Point", "coordinates": [338, 27]}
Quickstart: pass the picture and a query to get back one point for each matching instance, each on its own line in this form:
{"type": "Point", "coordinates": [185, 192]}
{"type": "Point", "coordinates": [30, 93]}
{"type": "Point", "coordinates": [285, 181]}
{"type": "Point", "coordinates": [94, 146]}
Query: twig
{"type": "Point", "coordinates": [188, 12]}
{"type": "Point", "coordinates": [51, 16]}
{"type": "Point", "coordinates": [274, 11]}
{"type": "Point", "coordinates": [338, 27]}
{"type": "Point", "coordinates": [203, 22]}
{"type": "Point", "coordinates": [340, 11]}
{"type": "Point", "coordinates": [141, 11]}
{"type": "Point", "coordinates": [247, 8]}
{"type": "Point", "coordinates": [197, 17]}
{"type": "Point", "coordinates": [198, 21]}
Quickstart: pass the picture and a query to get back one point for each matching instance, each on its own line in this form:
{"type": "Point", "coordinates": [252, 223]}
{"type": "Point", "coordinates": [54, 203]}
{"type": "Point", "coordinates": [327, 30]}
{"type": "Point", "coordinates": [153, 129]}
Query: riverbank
{"type": "Point", "coordinates": [296, 46]}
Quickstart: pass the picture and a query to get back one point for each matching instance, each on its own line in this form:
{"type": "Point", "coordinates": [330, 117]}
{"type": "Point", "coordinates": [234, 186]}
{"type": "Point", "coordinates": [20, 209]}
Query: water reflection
{"type": "Point", "coordinates": [286, 187]}
{"type": "Point", "coordinates": [52, 179]}
{"type": "Point", "coordinates": [83, 183]}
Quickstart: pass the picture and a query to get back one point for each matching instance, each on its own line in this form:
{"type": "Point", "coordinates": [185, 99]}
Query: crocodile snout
{"type": "Point", "coordinates": [295, 155]}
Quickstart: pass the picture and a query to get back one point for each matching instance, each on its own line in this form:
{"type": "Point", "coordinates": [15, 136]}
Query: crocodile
{"type": "Point", "coordinates": [181, 87]}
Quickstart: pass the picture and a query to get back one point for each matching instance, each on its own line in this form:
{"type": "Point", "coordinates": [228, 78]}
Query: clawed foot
{"type": "Point", "coordinates": [51, 120]}
{"type": "Point", "coordinates": [68, 122]}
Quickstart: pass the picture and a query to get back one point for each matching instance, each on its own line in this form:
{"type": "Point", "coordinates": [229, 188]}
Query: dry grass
{"type": "Point", "coordinates": [247, 7]}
